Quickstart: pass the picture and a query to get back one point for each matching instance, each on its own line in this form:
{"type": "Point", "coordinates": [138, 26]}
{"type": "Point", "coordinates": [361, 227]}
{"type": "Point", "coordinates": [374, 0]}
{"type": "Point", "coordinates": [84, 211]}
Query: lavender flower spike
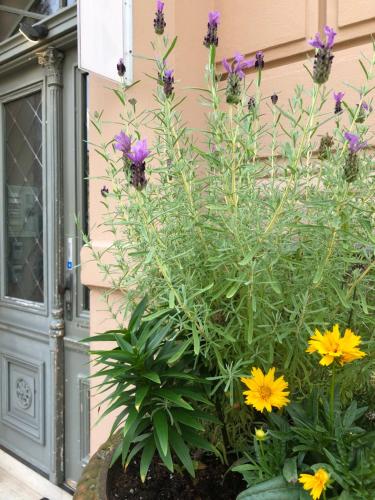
{"type": "Point", "coordinates": [137, 157]}
{"type": "Point", "coordinates": [354, 143]}
{"type": "Point", "coordinates": [238, 65]}
{"type": "Point", "coordinates": [363, 112]}
{"type": "Point", "coordinates": [235, 75]}
{"type": "Point", "coordinates": [168, 81]}
{"type": "Point", "coordinates": [123, 142]}
{"type": "Point", "coordinates": [323, 55]}
{"type": "Point", "coordinates": [159, 21]}
{"type": "Point", "coordinates": [121, 69]}
{"type": "Point", "coordinates": [338, 97]}
{"type": "Point", "coordinates": [259, 59]}
{"type": "Point", "coordinates": [351, 166]}
{"type": "Point", "coordinates": [213, 22]}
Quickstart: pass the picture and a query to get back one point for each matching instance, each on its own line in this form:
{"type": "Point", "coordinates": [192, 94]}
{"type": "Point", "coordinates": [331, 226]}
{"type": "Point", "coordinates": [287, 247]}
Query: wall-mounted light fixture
{"type": "Point", "coordinates": [33, 32]}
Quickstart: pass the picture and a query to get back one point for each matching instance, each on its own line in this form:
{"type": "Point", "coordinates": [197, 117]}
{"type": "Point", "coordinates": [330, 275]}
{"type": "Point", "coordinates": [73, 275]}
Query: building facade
{"type": "Point", "coordinates": [51, 291]}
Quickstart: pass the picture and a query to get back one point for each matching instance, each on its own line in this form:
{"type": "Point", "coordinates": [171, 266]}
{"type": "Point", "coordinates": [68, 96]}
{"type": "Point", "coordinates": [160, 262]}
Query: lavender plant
{"type": "Point", "coordinates": [256, 238]}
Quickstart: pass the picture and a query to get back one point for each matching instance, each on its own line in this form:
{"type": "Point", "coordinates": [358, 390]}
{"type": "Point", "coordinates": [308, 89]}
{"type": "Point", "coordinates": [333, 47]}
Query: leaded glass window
{"type": "Point", "coordinates": [24, 198]}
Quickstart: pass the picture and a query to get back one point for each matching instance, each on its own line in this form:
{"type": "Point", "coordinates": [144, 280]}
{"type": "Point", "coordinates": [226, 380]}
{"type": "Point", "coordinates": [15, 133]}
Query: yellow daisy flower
{"type": "Point", "coordinates": [331, 346]}
{"type": "Point", "coordinates": [265, 391]}
{"type": "Point", "coordinates": [317, 482]}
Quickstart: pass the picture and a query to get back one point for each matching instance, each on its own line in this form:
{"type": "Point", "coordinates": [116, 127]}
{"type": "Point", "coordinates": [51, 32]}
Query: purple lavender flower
{"type": "Point", "coordinates": [330, 39]}
{"type": "Point", "coordinates": [274, 98]}
{"type": "Point", "coordinates": [159, 21]}
{"type": "Point", "coordinates": [363, 112]}
{"type": "Point", "coordinates": [354, 143]}
{"type": "Point", "coordinates": [316, 42]}
{"type": "Point", "coordinates": [351, 165]}
{"type": "Point", "coordinates": [235, 75]}
{"type": "Point", "coordinates": [338, 97]}
{"type": "Point", "coordinates": [251, 104]}
{"type": "Point", "coordinates": [168, 82]}
{"type": "Point", "coordinates": [139, 152]}
{"type": "Point", "coordinates": [323, 55]}
{"type": "Point", "coordinates": [123, 142]}
{"type": "Point", "coordinates": [121, 69]}
{"type": "Point", "coordinates": [137, 157]}
{"type": "Point", "coordinates": [214, 18]}
{"type": "Point", "coordinates": [238, 65]}
{"type": "Point", "coordinates": [213, 22]}
{"type": "Point", "coordinates": [259, 59]}
{"type": "Point", "coordinates": [330, 36]}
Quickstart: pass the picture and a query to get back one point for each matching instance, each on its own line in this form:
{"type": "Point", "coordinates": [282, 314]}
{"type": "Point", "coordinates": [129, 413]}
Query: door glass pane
{"type": "Point", "coordinates": [24, 198]}
{"type": "Point", "coordinates": [85, 173]}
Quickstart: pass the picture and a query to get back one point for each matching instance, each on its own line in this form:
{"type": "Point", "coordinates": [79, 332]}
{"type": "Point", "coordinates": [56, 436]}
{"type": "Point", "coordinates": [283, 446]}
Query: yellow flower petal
{"type": "Point", "coordinates": [264, 391]}
{"type": "Point", "coordinates": [317, 482]}
{"type": "Point", "coordinates": [331, 346]}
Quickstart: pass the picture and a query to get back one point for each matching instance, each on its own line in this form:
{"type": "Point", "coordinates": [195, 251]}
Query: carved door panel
{"type": "Point", "coordinates": [39, 357]}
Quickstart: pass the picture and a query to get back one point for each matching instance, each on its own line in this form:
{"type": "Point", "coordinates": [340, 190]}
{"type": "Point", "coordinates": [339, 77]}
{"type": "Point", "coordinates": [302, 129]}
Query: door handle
{"type": "Point", "coordinates": [68, 296]}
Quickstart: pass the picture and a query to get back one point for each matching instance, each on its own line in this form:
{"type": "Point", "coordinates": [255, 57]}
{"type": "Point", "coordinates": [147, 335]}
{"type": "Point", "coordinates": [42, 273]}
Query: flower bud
{"type": "Point", "coordinates": [159, 21]}
{"type": "Point", "coordinates": [121, 69]}
{"type": "Point", "coordinates": [326, 143]}
{"type": "Point", "coordinates": [168, 81]}
{"type": "Point", "coordinates": [274, 98]}
{"type": "Point", "coordinates": [213, 22]}
{"type": "Point", "coordinates": [104, 191]}
{"type": "Point", "coordinates": [260, 435]}
{"type": "Point", "coordinates": [251, 104]}
{"type": "Point", "coordinates": [338, 97]}
{"type": "Point", "coordinates": [259, 59]}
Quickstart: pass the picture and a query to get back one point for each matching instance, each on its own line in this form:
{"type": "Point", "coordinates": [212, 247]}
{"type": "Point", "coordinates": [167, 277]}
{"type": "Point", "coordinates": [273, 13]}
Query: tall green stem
{"type": "Point", "coordinates": [332, 397]}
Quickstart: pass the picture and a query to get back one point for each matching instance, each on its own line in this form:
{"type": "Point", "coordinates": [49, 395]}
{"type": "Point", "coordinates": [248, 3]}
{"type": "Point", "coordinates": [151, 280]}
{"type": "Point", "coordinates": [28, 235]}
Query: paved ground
{"type": "Point", "coordinates": [17, 482]}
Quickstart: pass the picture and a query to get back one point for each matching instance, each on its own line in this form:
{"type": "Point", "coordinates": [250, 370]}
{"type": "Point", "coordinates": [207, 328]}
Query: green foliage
{"type": "Point", "coordinates": [250, 236]}
{"type": "Point", "coordinates": [154, 391]}
{"type": "Point", "coordinates": [246, 239]}
{"type": "Point", "coordinates": [274, 489]}
{"type": "Point", "coordinates": [309, 438]}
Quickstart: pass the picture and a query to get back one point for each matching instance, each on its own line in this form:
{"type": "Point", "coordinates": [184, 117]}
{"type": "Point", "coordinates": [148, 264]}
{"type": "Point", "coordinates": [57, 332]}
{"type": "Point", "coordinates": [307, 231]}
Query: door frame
{"type": "Point", "coordinates": [16, 53]}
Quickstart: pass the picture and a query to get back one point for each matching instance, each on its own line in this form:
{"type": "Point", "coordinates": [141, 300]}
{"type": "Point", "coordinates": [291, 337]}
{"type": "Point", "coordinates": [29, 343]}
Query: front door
{"type": "Point", "coordinates": [43, 390]}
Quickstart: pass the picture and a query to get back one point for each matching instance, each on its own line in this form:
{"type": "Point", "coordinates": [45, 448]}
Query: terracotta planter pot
{"type": "Point", "coordinates": [93, 482]}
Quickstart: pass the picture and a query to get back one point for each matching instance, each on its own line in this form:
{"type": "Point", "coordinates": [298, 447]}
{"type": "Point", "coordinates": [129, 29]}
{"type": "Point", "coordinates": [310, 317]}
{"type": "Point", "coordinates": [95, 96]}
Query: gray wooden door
{"type": "Point", "coordinates": [43, 391]}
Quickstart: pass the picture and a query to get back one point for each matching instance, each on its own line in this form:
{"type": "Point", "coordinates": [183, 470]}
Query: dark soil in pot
{"type": "Point", "coordinates": [211, 483]}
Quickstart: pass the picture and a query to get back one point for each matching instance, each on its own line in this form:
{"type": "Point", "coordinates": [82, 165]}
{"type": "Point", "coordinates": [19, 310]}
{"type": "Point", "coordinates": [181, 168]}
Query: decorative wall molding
{"type": "Point", "coordinates": [281, 30]}
{"type": "Point", "coordinates": [351, 22]}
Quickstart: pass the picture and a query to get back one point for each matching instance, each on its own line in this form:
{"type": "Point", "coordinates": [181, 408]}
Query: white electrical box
{"type": "Point", "coordinates": [105, 34]}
